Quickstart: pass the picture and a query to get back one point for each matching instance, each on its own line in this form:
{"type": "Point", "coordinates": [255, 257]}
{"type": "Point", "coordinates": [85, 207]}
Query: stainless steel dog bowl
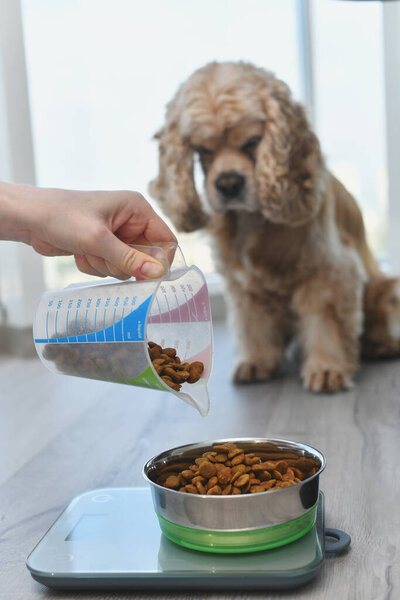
{"type": "Point", "coordinates": [242, 523]}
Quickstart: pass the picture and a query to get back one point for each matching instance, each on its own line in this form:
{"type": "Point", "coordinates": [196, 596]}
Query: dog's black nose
{"type": "Point", "coordinates": [230, 184]}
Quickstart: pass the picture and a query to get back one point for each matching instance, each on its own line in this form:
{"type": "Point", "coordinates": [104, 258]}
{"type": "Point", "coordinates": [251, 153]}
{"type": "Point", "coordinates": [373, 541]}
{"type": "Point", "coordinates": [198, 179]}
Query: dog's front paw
{"type": "Point", "coordinates": [247, 372]}
{"type": "Point", "coordinates": [326, 379]}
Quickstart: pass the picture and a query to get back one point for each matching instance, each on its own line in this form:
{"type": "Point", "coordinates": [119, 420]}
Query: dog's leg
{"type": "Point", "coordinates": [330, 320]}
{"type": "Point", "coordinates": [259, 324]}
{"type": "Point", "coordinates": [381, 335]}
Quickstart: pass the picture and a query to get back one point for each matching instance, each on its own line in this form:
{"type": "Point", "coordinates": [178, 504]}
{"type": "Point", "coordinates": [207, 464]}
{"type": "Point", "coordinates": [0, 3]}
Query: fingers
{"type": "Point", "coordinates": [93, 265]}
{"type": "Point", "coordinates": [139, 265]}
{"type": "Point", "coordinates": [83, 265]}
{"type": "Point", "coordinates": [129, 261]}
{"type": "Point", "coordinates": [106, 268]}
{"type": "Point", "coordinates": [158, 231]}
{"type": "Point", "coordinates": [111, 222]}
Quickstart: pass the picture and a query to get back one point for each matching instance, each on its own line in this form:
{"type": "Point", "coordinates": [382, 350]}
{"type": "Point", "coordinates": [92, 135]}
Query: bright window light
{"type": "Point", "coordinates": [101, 73]}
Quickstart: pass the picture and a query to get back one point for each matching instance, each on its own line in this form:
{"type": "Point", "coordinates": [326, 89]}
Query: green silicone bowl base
{"type": "Point", "coordinates": [235, 542]}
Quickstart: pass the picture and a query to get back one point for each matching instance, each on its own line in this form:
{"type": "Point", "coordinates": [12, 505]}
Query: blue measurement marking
{"type": "Point", "coordinates": [114, 324]}
{"type": "Point", "coordinates": [64, 339]}
{"type": "Point", "coordinates": [122, 325]}
{"type": "Point", "coordinates": [109, 332]}
{"type": "Point", "coordinates": [129, 328]}
{"type": "Point", "coordinates": [80, 338]}
{"type": "Point", "coordinates": [100, 334]}
{"type": "Point", "coordinates": [93, 336]}
{"type": "Point", "coordinates": [72, 338]}
{"type": "Point", "coordinates": [118, 329]}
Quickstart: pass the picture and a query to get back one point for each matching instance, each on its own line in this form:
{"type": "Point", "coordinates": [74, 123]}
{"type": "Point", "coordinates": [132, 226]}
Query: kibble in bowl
{"type": "Point", "coordinates": [238, 495]}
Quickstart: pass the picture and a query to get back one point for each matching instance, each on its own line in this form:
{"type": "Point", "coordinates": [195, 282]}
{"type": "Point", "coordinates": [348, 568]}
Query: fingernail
{"type": "Point", "coordinates": [152, 270]}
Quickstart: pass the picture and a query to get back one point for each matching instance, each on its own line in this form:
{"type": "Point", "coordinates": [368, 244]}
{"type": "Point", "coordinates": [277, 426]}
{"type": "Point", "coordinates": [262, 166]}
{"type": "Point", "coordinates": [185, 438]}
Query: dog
{"type": "Point", "coordinates": [289, 239]}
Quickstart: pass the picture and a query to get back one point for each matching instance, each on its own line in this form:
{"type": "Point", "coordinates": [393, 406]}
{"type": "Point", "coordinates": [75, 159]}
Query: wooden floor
{"type": "Point", "coordinates": [60, 436]}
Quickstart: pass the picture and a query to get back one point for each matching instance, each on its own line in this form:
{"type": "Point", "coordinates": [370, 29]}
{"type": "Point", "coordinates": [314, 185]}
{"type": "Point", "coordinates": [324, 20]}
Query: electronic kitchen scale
{"type": "Point", "coordinates": [110, 539]}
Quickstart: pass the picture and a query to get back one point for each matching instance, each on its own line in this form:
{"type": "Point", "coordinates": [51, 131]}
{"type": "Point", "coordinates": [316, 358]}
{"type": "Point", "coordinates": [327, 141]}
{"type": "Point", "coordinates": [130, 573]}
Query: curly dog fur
{"type": "Point", "coordinates": [289, 238]}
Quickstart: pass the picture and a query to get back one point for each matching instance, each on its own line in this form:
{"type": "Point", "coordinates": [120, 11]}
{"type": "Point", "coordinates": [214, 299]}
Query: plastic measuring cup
{"type": "Point", "coordinates": [100, 330]}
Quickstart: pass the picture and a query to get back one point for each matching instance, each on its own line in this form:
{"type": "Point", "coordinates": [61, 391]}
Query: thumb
{"type": "Point", "coordinates": [129, 260]}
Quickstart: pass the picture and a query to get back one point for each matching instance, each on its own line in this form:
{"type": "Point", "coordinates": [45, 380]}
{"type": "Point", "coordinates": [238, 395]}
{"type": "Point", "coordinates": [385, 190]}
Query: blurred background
{"type": "Point", "coordinates": [84, 85]}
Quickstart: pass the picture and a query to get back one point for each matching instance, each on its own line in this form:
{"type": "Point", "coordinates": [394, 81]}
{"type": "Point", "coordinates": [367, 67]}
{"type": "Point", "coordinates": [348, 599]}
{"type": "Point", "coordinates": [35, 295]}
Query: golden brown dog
{"type": "Point", "coordinates": [289, 238]}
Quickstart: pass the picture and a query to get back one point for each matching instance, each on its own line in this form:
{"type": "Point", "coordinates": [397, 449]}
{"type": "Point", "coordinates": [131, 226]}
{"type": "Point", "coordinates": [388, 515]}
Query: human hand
{"type": "Point", "coordinates": [95, 227]}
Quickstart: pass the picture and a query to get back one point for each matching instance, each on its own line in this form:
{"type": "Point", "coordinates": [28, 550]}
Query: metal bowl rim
{"type": "Point", "coordinates": [241, 497]}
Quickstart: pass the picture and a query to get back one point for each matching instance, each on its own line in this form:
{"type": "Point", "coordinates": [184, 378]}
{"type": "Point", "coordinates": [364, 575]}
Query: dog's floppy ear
{"type": "Point", "coordinates": [174, 187]}
{"type": "Point", "coordinates": [290, 167]}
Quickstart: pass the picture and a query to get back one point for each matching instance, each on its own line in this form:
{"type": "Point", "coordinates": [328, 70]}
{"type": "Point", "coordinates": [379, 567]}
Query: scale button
{"type": "Point", "coordinates": [102, 498]}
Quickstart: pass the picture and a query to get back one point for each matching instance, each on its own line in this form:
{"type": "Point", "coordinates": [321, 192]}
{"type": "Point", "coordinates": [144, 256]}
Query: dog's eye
{"type": "Point", "coordinates": [202, 150]}
{"type": "Point", "coordinates": [251, 145]}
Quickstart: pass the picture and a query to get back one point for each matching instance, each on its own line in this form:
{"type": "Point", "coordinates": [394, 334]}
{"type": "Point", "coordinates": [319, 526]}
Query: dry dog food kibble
{"type": "Point", "coordinates": [229, 470]}
{"type": "Point", "coordinates": [169, 367]}
{"type": "Point", "coordinates": [110, 361]}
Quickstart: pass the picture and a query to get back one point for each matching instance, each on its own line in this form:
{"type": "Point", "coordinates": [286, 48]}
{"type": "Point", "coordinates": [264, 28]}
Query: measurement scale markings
{"type": "Point", "coordinates": [179, 308]}
{"type": "Point", "coordinates": [99, 335]}
{"type": "Point", "coordinates": [108, 330]}
{"type": "Point", "coordinates": [195, 307]}
{"type": "Point", "coordinates": [122, 323]}
{"type": "Point", "coordinates": [129, 326]}
{"type": "Point", "coordinates": [188, 304]}
{"type": "Point", "coordinates": [86, 325]}
{"type": "Point", "coordinates": [159, 309]}
{"type": "Point", "coordinates": [169, 309]}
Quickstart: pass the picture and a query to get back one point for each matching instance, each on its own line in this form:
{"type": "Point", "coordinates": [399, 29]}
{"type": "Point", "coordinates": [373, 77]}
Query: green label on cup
{"type": "Point", "coordinates": [147, 379]}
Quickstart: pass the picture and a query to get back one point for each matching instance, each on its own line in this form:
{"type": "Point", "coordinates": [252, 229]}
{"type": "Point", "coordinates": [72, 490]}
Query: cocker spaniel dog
{"type": "Point", "coordinates": [289, 239]}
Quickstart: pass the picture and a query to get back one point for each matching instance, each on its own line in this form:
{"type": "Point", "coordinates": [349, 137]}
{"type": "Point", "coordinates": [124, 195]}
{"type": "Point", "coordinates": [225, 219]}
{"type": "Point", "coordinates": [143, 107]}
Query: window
{"type": "Point", "coordinates": [100, 74]}
{"type": "Point", "coordinates": [350, 105]}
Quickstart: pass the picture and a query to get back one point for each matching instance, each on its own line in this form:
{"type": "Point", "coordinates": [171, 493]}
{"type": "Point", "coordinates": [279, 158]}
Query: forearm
{"type": "Point", "coordinates": [20, 209]}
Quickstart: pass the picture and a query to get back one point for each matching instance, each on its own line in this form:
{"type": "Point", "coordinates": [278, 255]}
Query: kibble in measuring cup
{"type": "Point", "coordinates": [100, 330]}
